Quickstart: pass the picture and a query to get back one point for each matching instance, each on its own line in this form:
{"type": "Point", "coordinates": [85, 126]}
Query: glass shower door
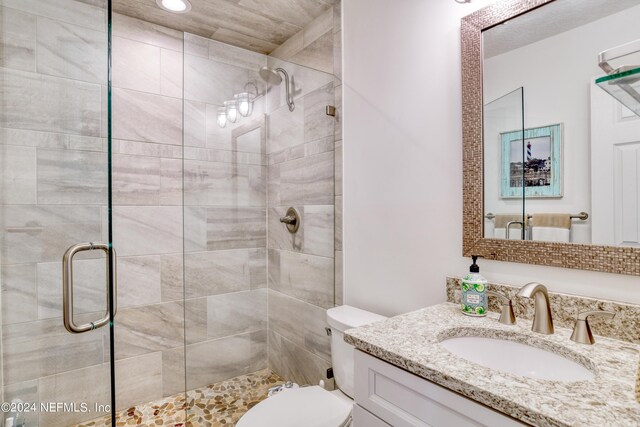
{"type": "Point", "coordinates": [55, 317]}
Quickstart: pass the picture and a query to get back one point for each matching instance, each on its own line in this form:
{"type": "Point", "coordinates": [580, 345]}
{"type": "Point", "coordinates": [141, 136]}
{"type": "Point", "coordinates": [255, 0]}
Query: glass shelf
{"type": "Point", "coordinates": [624, 86]}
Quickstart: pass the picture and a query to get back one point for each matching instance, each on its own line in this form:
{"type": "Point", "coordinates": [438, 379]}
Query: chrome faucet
{"type": "Point", "coordinates": [542, 322]}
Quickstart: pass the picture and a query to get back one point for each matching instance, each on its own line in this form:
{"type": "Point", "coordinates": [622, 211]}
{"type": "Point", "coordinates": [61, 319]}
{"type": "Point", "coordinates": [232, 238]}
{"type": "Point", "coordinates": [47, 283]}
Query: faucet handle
{"type": "Point", "coordinates": [507, 316]}
{"type": "Point", "coordinates": [582, 331]}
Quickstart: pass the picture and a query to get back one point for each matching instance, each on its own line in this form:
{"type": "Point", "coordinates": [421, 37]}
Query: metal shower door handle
{"type": "Point", "coordinates": [67, 287]}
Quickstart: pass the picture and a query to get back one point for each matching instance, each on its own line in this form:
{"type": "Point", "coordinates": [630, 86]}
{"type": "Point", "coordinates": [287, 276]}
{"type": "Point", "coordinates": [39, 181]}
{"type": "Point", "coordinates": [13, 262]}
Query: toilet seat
{"type": "Point", "coordinates": [306, 406]}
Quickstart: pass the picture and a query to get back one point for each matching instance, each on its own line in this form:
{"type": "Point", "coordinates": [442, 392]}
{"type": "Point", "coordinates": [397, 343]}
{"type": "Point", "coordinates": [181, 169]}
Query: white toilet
{"type": "Point", "coordinates": [314, 406]}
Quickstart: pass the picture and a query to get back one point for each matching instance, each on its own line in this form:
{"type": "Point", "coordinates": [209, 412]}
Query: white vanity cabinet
{"type": "Point", "coordinates": [389, 396]}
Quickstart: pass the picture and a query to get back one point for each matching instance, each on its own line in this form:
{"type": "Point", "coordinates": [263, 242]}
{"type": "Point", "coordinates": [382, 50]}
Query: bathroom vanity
{"type": "Point", "coordinates": [405, 376]}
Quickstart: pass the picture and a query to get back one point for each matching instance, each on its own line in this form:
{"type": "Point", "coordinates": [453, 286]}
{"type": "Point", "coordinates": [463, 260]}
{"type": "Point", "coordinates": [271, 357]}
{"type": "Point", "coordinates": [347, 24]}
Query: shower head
{"type": "Point", "coordinates": [270, 76]}
{"type": "Point", "coordinates": [274, 77]}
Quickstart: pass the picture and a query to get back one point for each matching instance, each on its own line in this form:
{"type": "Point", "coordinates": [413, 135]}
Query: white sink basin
{"type": "Point", "coordinates": [517, 359]}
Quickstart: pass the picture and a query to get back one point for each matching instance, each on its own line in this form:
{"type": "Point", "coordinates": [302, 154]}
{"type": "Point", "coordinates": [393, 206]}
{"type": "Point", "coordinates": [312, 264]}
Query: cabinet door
{"type": "Point", "coordinates": [363, 418]}
{"type": "Point", "coordinates": [402, 399]}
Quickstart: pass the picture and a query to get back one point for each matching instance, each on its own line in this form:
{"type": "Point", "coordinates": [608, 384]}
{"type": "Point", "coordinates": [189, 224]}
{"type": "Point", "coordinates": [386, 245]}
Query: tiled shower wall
{"type": "Point", "coordinates": [52, 75]}
{"type": "Point", "coordinates": [305, 170]}
{"type": "Point", "coordinates": [225, 207]}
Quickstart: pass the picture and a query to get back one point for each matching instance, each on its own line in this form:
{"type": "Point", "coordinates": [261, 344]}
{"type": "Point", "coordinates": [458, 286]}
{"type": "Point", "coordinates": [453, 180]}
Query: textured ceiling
{"type": "Point", "coordinates": [547, 21]}
{"type": "Point", "coordinates": [258, 25]}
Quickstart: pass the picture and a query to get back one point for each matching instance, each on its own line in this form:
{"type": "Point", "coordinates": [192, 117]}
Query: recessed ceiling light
{"type": "Point", "coordinates": [175, 6]}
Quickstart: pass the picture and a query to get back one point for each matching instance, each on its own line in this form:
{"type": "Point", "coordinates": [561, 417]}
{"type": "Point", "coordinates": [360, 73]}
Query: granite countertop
{"type": "Point", "coordinates": [411, 342]}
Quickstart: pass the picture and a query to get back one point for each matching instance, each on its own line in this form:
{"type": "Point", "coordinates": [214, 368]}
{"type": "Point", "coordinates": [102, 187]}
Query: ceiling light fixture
{"type": "Point", "coordinates": [175, 6]}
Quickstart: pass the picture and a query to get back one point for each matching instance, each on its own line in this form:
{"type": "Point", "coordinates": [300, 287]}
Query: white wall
{"type": "Point", "coordinates": [403, 160]}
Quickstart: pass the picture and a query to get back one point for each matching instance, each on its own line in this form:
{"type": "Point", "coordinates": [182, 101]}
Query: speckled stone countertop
{"type": "Point", "coordinates": [411, 342]}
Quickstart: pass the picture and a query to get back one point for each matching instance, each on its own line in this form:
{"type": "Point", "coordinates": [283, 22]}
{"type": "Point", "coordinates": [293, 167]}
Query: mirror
{"type": "Point", "coordinates": [558, 157]}
{"type": "Point", "coordinates": [575, 176]}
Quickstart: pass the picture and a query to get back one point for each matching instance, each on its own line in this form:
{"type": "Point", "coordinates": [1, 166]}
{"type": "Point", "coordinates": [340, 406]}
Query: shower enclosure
{"type": "Point", "coordinates": [147, 158]}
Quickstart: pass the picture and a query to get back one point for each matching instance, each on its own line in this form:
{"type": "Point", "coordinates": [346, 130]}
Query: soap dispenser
{"type": "Point", "coordinates": [474, 292]}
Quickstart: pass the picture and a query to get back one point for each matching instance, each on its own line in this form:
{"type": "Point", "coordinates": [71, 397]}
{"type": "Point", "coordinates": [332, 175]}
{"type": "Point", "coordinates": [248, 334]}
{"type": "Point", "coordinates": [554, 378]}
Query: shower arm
{"type": "Point", "coordinates": [290, 102]}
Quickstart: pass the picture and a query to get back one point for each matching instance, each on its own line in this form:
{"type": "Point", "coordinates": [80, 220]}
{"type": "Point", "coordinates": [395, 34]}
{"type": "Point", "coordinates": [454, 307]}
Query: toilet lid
{"type": "Point", "coordinates": [306, 406]}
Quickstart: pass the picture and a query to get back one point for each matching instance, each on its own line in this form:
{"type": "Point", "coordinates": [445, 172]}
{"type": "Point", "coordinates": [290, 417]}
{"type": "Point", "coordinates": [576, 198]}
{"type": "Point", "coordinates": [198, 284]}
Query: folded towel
{"type": "Point", "coordinates": [551, 227]}
{"type": "Point", "coordinates": [551, 220]}
{"type": "Point", "coordinates": [500, 228]}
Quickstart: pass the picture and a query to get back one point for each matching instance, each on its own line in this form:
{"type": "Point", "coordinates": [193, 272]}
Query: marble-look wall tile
{"type": "Point", "coordinates": [337, 167]}
{"type": "Point", "coordinates": [17, 40]}
{"type": "Point", "coordinates": [136, 180]}
{"type": "Point", "coordinates": [301, 323]}
{"type": "Point", "coordinates": [70, 51]}
{"type": "Point", "coordinates": [307, 181]}
{"type": "Point", "coordinates": [339, 280]}
{"type": "Point", "coordinates": [195, 124]}
{"type": "Point", "coordinates": [139, 281]}
{"type": "Point", "coordinates": [317, 54]}
{"type": "Point", "coordinates": [237, 313]}
{"type": "Point", "coordinates": [174, 371]}
{"type": "Point", "coordinates": [294, 363]}
{"type": "Point", "coordinates": [148, 329]}
{"type": "Point", "coordinates": [211, 81]}
{"type": "Point", "coordinates": [87, 143]}
{"type": "Point", "coordinates": [235, 228]}
{"type": "Point", "coordinates": [89, 281]}
{"type": "Point", "coordinates": [82, 13]}
{"type": "Point", "coordinates": [232, 55]}
{"type": "Point", "coordinates": [171, 277]}
{"type": "Point", "coordinates": [145, 117]}
{"type": "Point", "coordinates": [141, 230]}
{"type": "Point", "coordinates": [317, 124]}
{"type": "Point", "coordinates": [338, 104]}
{"type": "Point", "coordinates": [18, 178]}
{"type": "Point", "coordinates": [337, 54]}
{"type": "Point", "coordinates": [234, 356]}
{"type": "Point", "coordinates": [285, 128]}
{"type": "Point", "coordinates": [38, 349]}
{"type": "Point", "coordinates": [171, 182]}
{"type": "Point", "coordinates": [49, 104]}
{"type": "Point", "coordinates": [338, 223]}
{"type": "Point", "coordinates": [195, 229]}
{"type": "Point", "coordinates": [72, 177]}
{"type": "Point", "coordinates": [90, 385]}
{"type": "Point", "coordinates": [138, 380]}
{"type": "Point", "coordinates": [220, 272]}
{"type": "Point", "coordinates": [136, 65]}
{"type": "Point", "coordinates": [139, 148]}
{"type": "Point", "coordinates": [305, 277]}
{"type": "Point", "coordinates": [319, 230]}
{"type": "Point", "coordinates": [171, 73]}
{"type": "Point", "coordinates": [28, 138]}
{"type": "Point", "coordinates": [196, 45]}
{"type": "Point", "coordinates": [146, 32]}
{"type": "Point", "coordinates": [224, 184]}
{"type": "Point", "coordinates": [43, 233]}
{"type": "Point", "coordinates": [19, 302]}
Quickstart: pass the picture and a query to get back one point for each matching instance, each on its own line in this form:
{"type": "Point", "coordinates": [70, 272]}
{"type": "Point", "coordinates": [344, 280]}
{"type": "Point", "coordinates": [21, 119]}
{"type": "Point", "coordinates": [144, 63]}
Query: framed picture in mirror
{"type": "Point", "coordinates": [532, 163]}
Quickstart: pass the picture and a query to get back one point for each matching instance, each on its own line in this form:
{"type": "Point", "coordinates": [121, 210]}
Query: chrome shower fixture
{"type": "Point", "coordinates": [272, 76]}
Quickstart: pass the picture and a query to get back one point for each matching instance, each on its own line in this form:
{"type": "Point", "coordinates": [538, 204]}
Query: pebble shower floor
{"type": "Point", "coordinates": [220, 404]}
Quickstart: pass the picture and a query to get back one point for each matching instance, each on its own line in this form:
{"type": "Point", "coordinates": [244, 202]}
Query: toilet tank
{"type": "Point", "coordinates": [340, 319]}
